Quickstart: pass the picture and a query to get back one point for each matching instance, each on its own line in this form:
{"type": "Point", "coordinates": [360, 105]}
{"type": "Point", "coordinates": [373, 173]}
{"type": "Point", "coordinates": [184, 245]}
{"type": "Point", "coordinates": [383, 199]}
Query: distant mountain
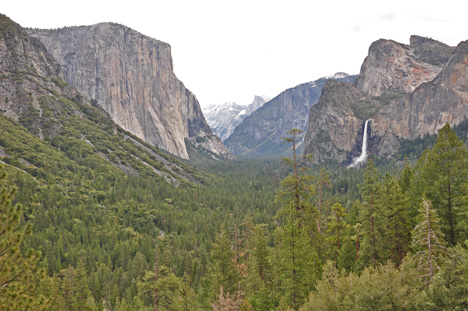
{"type": "Point", "coordinates": [257, 103]}
{"type": "Point", "coordinates": [224, 118]}
{"type": "Point", "coordinates": [406, 91]}
{"type": "Point", "coordinates": [131, 77]}
{"type": "Point", "coordinates": [259, 135]}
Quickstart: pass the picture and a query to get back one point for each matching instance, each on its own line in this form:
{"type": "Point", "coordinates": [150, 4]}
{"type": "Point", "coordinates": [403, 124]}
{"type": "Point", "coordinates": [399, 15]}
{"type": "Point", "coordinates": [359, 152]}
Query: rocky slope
{"type": "Point", "coordinates": [406, 91]}
{"type": "Point", "coordinates": [224, 118]}
{"type": "Point", "coordinates": [131, 77]}
{"type": "Point", "coordinates": [46, 122]}
{"type": "Point", "coordinates": [260, 133]}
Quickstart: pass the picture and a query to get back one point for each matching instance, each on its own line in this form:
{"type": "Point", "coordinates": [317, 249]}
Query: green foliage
{"type": "Point", "coordinates": [449, 290]}
{"type": "Point", "coordinates": [297, 239]}
{"type": "Point", "coordinates": [19, 272]}
{"type": "Point", "coordinates": [443, 177]}
{"type": "Point", "coordinates": [427, 242]}
{"type": "Point", "coordinates": [371, 217]}
{"type": "Point", "coordinates": [397, 221]}
{"type": "Point", "coordinates": [378, 288]}
{"type": "Point", "coordinates": [221, 270]}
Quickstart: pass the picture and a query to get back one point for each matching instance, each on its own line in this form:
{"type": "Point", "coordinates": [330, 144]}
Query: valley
{"type": "Point", "coordinates": [345, 193]}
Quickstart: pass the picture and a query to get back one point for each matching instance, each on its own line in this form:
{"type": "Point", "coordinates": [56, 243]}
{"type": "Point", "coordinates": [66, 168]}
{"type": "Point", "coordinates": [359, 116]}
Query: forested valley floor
{"type": "Point", "coordinates": [253, 235]}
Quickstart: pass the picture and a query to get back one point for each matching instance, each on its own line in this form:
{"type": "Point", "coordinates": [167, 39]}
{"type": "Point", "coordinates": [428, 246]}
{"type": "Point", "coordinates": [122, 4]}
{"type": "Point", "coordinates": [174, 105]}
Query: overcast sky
{"type": "Point", "coordinates": [232, 50]}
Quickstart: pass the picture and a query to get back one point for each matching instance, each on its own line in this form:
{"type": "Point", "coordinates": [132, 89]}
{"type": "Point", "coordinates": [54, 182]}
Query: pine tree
{"type": "Point", "coordinates": [336, 228]}
{"type": "Point", "coordinates": [443, 177]}
{"type": "Point", "coordinates": [397, 221]}
{"type": "Point", "coordinates": [19, 273]}
{"type": "Point", "coordinates": [221, 268]}
{"type": "Point", "coordinates": [427, 242]}
{"type": "Point", "coordinates": [370, 215]}
{"type": "Point", "coordinates": [297, 236]}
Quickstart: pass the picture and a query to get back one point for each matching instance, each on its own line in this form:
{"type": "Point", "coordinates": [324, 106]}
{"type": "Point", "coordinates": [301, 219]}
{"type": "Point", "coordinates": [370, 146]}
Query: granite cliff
{"type": "Point", "coordinates": [44, 121]}
{"type": "Point", "coordinates": [407, 91]}
{"type": "Point", "coordinates": [131, 77]}
{"type": "Point", "coordinates": [395, 67]}
{"type": "Point", "coordinates": [259, 135]}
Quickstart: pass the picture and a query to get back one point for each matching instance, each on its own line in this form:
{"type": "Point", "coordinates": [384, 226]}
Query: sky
{"type": "Point", "coordinates": [231, 50]}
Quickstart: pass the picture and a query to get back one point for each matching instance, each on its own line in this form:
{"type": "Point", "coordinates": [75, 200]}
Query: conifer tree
{"type": "Point", "coordinates": [443, 178]}
{"type": "Point", "coordinates": [297, 237]}
{"type": "Point", "coordinates": [427, 242]}
{"type": "Point", "coordinates": [258, 279]}
{"type": "Point", "coordinates": [397, 221]}
{"type": "Point", "coordinates": [370, 215]}
{"type": "Point", "coordinates": [449, 291]}
{"type": "Point", "coordinates": [221, 268]}
{"type": "Point", "coordinates": [19, 273]}
{"type": "Point", "coordinates": [336, 227]}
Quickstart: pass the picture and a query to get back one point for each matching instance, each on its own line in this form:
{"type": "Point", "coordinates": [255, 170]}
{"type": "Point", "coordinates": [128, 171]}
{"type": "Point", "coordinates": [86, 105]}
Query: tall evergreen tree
{"type": "Point", "coordinates": [397, 221]}
{"type": "Point", "coordinates": [443, 178]}
{"type": "Point", "coordinates": [336, 229]}
{"type": "Point", "coordinates": [297, 237]}
{"type": "Point", "coordinates": [427, 242]}
{"type": "Point", "coordinates": [370, 216]}
{"type": "Point", "coordinates": [221, 268]}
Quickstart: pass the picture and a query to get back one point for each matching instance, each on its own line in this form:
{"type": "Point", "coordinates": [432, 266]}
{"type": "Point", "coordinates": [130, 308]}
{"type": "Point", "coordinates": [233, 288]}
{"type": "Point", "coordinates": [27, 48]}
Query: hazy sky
{"type": "Point", "coordinates": [232, 50]}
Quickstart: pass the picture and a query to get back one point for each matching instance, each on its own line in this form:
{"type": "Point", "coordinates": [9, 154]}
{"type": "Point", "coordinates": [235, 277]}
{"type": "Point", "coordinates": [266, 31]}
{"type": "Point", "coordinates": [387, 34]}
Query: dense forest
{"type": "Point", "coordinates": [252, 235]}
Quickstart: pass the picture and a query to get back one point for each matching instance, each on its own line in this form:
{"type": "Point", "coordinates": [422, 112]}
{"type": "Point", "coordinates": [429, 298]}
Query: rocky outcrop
{"type": "Point", "coordinates": [394, 67]}
{"type": "Point", "coordinates": [432, 104]}
{"type": "Point", "coordinates": [260, 133]}
{"type": "Point", "coordinates": [401, 103]}
{"type": "Point", "coordinates": [131, 77]}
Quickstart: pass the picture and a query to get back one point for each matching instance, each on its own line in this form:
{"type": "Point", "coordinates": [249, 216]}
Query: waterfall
{"type": "Point", "coordinates": [363, 155]}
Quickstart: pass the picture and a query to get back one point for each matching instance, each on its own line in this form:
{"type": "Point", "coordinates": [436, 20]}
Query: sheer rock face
{"type": "Point", "coordinates": [131, 77]}
{"type": "Point", "coordinates": [417, 105]}
{"type": "Point", "coordinates": [333, 123]}
{"type": "Point", "coordinates": [395, 67]}
{"type": "Point", "coordinates": [432, 104]}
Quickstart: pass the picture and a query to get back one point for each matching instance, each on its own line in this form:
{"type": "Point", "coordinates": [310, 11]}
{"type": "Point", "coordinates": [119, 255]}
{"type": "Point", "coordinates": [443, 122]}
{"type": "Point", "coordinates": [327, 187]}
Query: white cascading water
{"type": "Point", "coordinates": [363, 155]}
